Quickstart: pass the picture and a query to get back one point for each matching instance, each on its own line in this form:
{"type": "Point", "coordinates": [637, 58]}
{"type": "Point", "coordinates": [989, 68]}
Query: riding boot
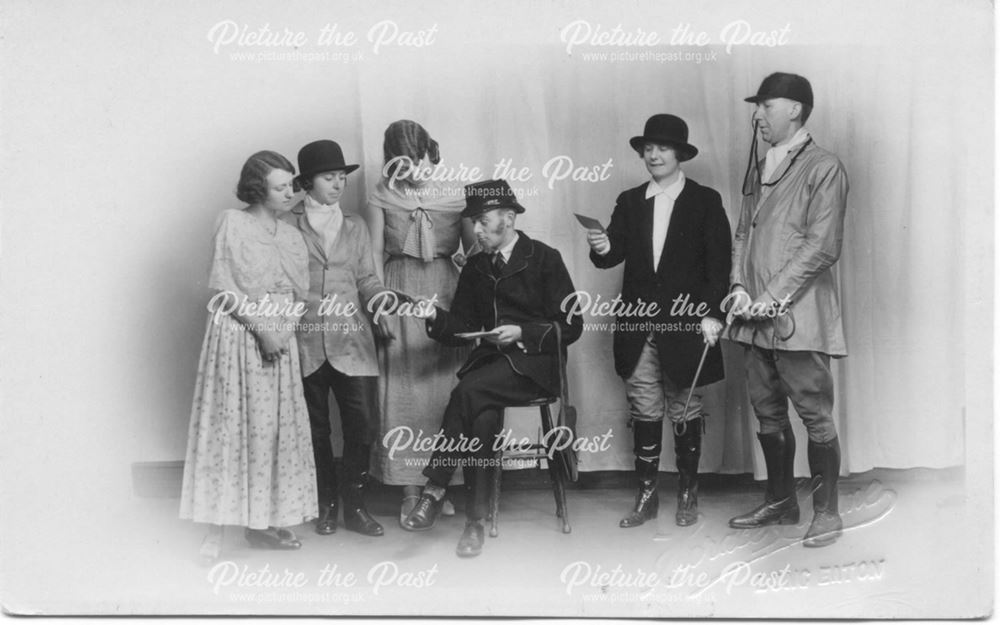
{"type": "Point", "coordinates": [648, 439]}
{"type": "Point", "coordinates": [687, 448]}
{"type": "Point", "coordinates": [824, 464]}
{"type": "Point", "coordinates": [780, 505]}
{"type": "Point", "coordinates": [326, 486]}
{"type": "Point", "coordinates": [356, 517]}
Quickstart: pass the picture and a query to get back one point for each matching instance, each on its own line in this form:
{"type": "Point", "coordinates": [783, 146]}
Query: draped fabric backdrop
{"type": "Point", "coordinates": [912, 203]}
{"type": "Point", "coordinates": [125, 125]}
{"type": "Point", "coordinates": [145, 121]}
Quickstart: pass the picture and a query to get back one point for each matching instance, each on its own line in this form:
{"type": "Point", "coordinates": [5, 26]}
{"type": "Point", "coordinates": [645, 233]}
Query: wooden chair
{"type": "Point", "coordinates": [534, 452]}
{"type": "Point", "coordinates": [561, 463]}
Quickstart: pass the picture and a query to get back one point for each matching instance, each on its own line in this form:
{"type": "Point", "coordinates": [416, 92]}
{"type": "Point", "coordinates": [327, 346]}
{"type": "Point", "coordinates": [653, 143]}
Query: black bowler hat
{"type": "Point", "coordinates": [664, 129]}
{"type": "Point", "coordinates": [782, 85]}
{"type": "Point", "coordinates": [488, 195]}
{"type": "Point", "coordinates": [320, 156]}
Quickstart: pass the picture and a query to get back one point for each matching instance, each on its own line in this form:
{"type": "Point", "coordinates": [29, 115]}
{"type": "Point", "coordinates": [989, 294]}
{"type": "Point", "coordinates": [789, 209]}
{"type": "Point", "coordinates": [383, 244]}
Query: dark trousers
{"type": "Point", "coordinates": [475, 413]}
{"type": "Point", "coordinates": [356, 397]}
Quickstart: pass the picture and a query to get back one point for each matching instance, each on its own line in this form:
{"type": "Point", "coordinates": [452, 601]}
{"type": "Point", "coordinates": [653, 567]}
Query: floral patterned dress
{"type": "Point", "coordinates": [249, 456]}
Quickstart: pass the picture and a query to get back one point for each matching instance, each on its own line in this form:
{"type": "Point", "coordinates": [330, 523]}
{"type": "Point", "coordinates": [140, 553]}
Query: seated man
{"type": "Point", "coordinates": [515, 289]}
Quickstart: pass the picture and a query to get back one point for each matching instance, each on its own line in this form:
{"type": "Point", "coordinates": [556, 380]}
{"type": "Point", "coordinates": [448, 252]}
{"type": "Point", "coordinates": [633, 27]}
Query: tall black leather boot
{"type": "Point", "coordinates": [780, 504]}
{"type": "Point", "coordinates": [356, 517]}
{"type": "Point", "coordinates": [824, 464]}
{"type": "Point", "coordinates": [687, 447]}
{"type": "Point", "coordinates": [648, 438]}
{"type": "Point", "coordinates": [326, 486]}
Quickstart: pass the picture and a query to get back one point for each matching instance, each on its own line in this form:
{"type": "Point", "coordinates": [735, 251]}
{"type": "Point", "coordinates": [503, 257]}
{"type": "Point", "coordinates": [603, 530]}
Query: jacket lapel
{"type": "Point", "coordinates": [313, 240]}
{"type": "Point", "coordinates": [782, 173]}
{"type": "Point", "coordinates": [523, 250]}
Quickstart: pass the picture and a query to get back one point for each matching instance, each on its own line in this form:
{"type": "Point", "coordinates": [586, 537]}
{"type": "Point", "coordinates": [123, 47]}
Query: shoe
{"type": "Point", "coordinates": [327, 522]}
{"type": "Point", "coordinates": [211, 545]}
{"type": "Point", "coordinates": [687, 507]}
{"type": "Point", "coordinates": [783, 512]}
{"type": "Point", "coordinates": [447, 508]}
{"type": "Point", "coordinates": [423, 515]}
{"type": "Point", "coordinates": [272, 538]}
{"type": "Point", "coordinates": [824, 530]}
{"type": "Point", "coordinates": [409, 502]}
{"type": "Point", "coordinates": [780, 506]}
{"type": "Point", "coordinates": [687, 448]}
{"type": "Point", "coordinates": [647, 505]}
{"type": "Point", "coordinates": [356, 517]}
{"type": "Point", "coordinates": [824, 464]}
{"type": "Point", "coordinates": [358, 520]}
{"type": "Point", "coordinates": [648, 442]}
{"type": "Point", "coordinates": [471, 543]}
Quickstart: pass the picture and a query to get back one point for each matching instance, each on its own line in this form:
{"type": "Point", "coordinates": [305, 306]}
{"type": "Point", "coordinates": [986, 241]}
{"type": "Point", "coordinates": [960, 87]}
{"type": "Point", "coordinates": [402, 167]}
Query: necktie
{"type": "Point", "coordinates": [498, 263]}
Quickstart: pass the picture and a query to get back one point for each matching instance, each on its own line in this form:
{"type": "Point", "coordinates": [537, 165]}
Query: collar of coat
{"type": "Point", "coordinates": [520, 256]}
{"type": "Point", "coordinates": [314, 241]}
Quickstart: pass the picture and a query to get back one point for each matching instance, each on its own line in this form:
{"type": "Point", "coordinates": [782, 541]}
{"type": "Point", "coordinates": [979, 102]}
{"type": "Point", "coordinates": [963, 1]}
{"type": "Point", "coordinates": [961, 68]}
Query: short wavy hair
{"type": "Point", "coordinates": [252, 187]}
{"type": "Point", "coordinates": [408, 138]}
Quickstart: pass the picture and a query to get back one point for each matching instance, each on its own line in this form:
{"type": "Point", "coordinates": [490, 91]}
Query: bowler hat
{"type": "Point", "coordinates": [664, 129]}
{"type": "Point", "coordinates": [320, 156]}
{"type": "Point", "coordinates": [488, 195]}
{"type": "Point", "coordinates": [782, 85]}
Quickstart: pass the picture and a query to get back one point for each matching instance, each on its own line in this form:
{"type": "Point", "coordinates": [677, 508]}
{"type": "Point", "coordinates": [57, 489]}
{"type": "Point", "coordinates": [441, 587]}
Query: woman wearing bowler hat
{"type": "Point", "coordinates": [673, 236]}
{"type": "Point", "coordinates": [336, 340]}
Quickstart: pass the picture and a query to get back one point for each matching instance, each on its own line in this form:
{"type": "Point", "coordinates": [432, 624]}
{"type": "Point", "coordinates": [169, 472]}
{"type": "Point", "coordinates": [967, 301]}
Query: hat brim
{"type": "Point", "coordinates": [685, 151]}
{"type": "Point", "coordinates": [479, 210]}
{"type": "Point", "coordinates": [344, 168]}
{"type": "Point", "coordinates": [757, 99]}
{"type": "Point", "coordinates": [309, 174]}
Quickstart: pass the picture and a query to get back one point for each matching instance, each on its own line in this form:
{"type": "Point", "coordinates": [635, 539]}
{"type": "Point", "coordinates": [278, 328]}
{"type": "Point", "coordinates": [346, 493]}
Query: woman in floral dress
{"type": "Point", "coordinates": [249, 456]}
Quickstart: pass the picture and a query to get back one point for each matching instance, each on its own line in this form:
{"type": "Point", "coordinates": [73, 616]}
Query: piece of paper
{"type": "Point", "coordinates": [477, 335]}
{"type": "Point", "coordinates": [589, 222]}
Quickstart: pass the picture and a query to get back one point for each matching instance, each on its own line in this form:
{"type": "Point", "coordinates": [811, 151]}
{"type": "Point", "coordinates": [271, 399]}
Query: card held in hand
{"type": "Point", "coordinates": [589, 222]}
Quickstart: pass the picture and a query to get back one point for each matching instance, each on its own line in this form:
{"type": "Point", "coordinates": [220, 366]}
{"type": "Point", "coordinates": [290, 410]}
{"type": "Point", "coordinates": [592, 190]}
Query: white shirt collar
{"type": "Point", "coordinates": [313, 205]}
{"type": "Point", "coordinates": [508, 249]}
{"type": "Point", "coordinates": [777, 154]}
{"type": "Point", "coordinates": [800, 137]}
{"type": "Point", "coordinates": [672, 190]}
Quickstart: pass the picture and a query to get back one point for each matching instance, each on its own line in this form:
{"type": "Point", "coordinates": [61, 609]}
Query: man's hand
{"type": "Point", "coordinates": [599, 241]}
{"type": "Point", "coordinates": [711, 329]}
{"type": "Point", "coordinates": [738, 304]}
{"type": "Point", "coordinates": [505, 335]}
{"type": "Point", "coordinates": [424, 309]}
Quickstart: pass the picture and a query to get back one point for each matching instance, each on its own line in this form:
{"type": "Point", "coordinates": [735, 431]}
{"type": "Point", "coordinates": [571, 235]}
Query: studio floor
{"type": "Point", "coordinates": [901, 529]}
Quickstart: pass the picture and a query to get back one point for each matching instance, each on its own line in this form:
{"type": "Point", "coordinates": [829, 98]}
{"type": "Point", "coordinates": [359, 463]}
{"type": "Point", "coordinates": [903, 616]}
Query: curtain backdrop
{"type": "Point", "coordinates": [141, 98]}
{"type": "Point", "coordinates": [900, 393]}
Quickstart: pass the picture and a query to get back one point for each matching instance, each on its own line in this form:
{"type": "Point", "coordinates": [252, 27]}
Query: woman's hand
{"type": "Point", "coordinates": [272, 345]}
{"type": "Point", "coordinates": [599, 241]}
{"type": "Point", "coordinates": [711, 329]}
{"type": "Point", "coordinates": [382, 331]}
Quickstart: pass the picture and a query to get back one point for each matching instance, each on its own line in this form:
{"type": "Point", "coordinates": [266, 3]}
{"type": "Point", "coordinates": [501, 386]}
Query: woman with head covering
{"type": "Point", "coordinates": [249, 457]}
{"type": "Point", "coordinates": [417, 227]}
